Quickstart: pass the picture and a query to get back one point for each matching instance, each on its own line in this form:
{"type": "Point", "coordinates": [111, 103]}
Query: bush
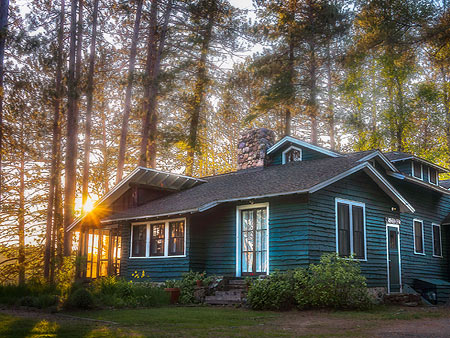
{"type": "Point", "coordinates": [333, 283]}
{"type": "Point", "coordinates": [81, 298]}
{"type": "Point", "coordinates": [274, 292]}
{"type": "Point", "coordinates": [187, 285]}
{"type": "Point", "coordinates": [33, 294]}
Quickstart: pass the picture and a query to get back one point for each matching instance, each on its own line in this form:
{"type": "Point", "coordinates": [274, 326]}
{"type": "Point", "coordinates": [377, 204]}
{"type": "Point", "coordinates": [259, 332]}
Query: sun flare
{"type": "Point", "coordinates": [88, 205]}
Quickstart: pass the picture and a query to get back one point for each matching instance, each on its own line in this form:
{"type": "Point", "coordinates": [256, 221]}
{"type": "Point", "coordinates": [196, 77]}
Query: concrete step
{"type": "Point", "coordinates": [229, 293]}
{"type": "Point", "coordinates": [222, 302]}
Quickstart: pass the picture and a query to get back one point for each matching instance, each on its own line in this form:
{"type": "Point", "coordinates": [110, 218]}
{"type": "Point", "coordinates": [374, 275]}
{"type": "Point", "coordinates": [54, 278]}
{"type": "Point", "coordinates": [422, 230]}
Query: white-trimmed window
{"type": "Point", "coordinates": [417, 170]}
{"type": "Point", "coordinates": [159, 239]}
{"type": "Point", "coordinates": [437, 241]}
{"type": "Point", "coordinates": [433, 176]}
{"type": "Point", "coordinates": [351, 229]}
{"type": "Point", "coordinates": [418, 237]}
{"type": "Point", "coordinates": [292, 154]}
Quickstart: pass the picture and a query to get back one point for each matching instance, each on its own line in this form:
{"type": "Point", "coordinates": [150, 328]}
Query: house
{"type": "Point", "coordinates": [288, 203]}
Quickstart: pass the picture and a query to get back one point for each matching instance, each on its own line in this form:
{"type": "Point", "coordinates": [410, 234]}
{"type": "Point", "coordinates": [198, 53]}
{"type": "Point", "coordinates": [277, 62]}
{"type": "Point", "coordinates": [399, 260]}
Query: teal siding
{"type": "Point", "coordinates": [360, 188]}
{"type": "Point", "coordinates": [431, 207]}
{"type": "Point", "coordinates": [156, 269]}
{"type": "Point", "coordinates": [307, 155]}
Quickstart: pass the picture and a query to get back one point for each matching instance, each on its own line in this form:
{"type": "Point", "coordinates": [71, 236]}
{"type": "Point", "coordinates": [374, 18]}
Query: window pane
{"type": "Point", "coordinates": [437, 240]}
{"type": "Point", "coordinates": [433, 176]}
{"type": "Point", "coordinates": [176, 238]}
{"type": "Point", "coordinates": [139, 240]}
{"type": "Point", "coordinates": [418, 240]}
{"type": "Point", "coordinates": [293, 155]}
{"type": "Point", "coordinates": [358, 232]}
{"type": "Point", "coordinates": [157, 234]}
{"type": "Point", "coordinates": [417, 169]}
{"type": "Point", "coordinates": [343, 230]}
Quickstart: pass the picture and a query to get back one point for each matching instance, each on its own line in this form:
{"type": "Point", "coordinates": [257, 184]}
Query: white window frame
{"type": "Point", "coordinates": [166, 238]}
{"type": "Point", "coordinates": [440, 238]}
{"type": "Point", "coordinates": [414, 237]}
{"type": "Point", "coordinates": [429, 176]}
{"type": "Point", "coordinates": [239, 208]}
{"type": "Point", "coordinates": [421, 170]}
{"type": "Point", "coordinates": [283, 154]}
{"type": "Point", "coordinates": [351, 204]}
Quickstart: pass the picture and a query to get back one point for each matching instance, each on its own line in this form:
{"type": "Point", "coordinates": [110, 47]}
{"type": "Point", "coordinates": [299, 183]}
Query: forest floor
{"type": "Point", "coordinates": [227, 322]}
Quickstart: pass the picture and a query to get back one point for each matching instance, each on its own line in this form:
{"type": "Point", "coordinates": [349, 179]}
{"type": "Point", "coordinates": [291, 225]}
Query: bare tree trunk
{"type": "Point", "coordinates": [152, 142]}
{"type": "Point", "coordinates": [21, 219]}
{"type": "Point", "coordinates": [56, 147]}
{"type": "Point", "coordinates": [313, 94]}
{"type": "Point", "coordinates": [330, 103]}
{"type": "Point", "coordinates": [3, 32]}
{"type": "Point", "coordinates": [197, 98]}
{"type": "Point", "coordinates": [89, 98]}
{"type": "Point", "coordinates": [58, 218]}
{"type": "Point", "coordinates": [128, 93]}
{"type": "Point", "coordinates": [148, 78]}
{"type": "Point", "coordinates": [105, 152]}
{"type": "Point", "coordinates": [72, 122]}
{"type": "Point", "coordinates": [291, 70]}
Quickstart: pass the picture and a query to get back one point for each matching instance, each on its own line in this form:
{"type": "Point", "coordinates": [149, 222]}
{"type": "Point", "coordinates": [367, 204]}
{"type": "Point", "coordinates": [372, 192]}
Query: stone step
{"type": "Point", "coordinates": [229, 293]}
{"type": "Point", "coordinates": [237, 282]}
{"type": "Point", "coordinates": [235, 298]}
{"type": "Point", "coordinates": [222, 302]}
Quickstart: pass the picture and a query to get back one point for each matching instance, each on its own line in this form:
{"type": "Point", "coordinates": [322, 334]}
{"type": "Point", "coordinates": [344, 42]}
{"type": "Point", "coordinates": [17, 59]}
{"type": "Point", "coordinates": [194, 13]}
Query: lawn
{"type": "Point", "coordinates": [214, 321]}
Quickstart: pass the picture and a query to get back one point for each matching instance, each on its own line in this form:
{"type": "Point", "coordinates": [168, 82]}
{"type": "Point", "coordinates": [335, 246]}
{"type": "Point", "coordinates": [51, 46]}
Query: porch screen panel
{"type": "Point", "coordinates": [358, 232]}
{"type": "Point", "coordinates": [343, 230]}
{"type": "Point", "coordinates": [139, 240]}
{"type": "Point", "coordinates": [176, 238]}
{"type": "Point", "coordinates": [157, 239]}
{"type": "Point", "coordinates": [261, 239]}
{"type": "Point", "coordinates": [95, 245]}
{"type": "Point", "coordinates": [418, 240]}
{"type": "Point", "coordinates": [104, 253]}
{"type": "Point", "coordinates": [437, 240]}
{"type": "Point", "coordinates": [248, 243]}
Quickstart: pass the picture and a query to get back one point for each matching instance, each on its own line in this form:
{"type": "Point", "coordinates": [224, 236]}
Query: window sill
{"type": "Point", "coordinates": [156, 257]}
{"type": "Point", "coordinates": [420, 253]}
{"type": "Point", "coordinates": [436, 256]}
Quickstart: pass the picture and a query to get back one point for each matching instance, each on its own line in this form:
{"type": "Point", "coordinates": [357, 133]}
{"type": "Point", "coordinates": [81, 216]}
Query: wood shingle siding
{"type": "Point", "coordinates": [360, 188]}
{"type": "Point", "coordinates": [158, 269]}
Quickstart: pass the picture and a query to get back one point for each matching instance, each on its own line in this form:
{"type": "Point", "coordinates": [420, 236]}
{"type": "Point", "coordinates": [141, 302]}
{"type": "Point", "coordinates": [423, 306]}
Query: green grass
{"type": "Point", "coordinates": [209, 321]}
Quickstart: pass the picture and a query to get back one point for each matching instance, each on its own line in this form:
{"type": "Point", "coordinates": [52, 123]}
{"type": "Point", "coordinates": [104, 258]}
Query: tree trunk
{"type": "Point", "coordinates": [72, 123]}
{"type": "Point", "coordinates": [105, 152]}
{"type": "Point", "coordinates": [152, 142]}
{"type": "Point", "coordinates": [89, 99]}
{"type": "Point", "coordinates": [128, 93]}
{"type": "Point", "coordinates": [3, 31]}
{"type": "Point", "coordinates": [21, 220]}
{"type": "Point", "coordinates": [313, 93]}
{"type": "Point", "coordinates": [56, 146]}
{"type": "Point", "coordinates": [196, 100]}
{"type": "Point", "coordinates": [330, 101]}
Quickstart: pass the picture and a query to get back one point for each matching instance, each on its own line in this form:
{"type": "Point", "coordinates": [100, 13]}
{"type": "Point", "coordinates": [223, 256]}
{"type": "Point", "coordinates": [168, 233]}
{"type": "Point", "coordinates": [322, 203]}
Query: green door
{"type": "Point", "coordinates": [393, 259]}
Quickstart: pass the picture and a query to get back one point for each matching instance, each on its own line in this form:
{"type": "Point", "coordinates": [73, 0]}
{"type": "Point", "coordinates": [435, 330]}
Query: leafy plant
{"type": "Point", "coordinates": [275, 292]}
{"type": "Point", "coordinates": [81, 299]}
{"type": "Point", "coordinates": [333, 283]}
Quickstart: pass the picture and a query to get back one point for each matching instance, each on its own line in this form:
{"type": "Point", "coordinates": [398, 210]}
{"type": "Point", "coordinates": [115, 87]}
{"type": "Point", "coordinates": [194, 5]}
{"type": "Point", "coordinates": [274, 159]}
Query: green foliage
{"type": "Point", "coordinates": [33, 294]}
{"type": "Point", "coordinates": [274, 292]}
{"type": "Point", "coordinates": [333, 283]}
{"type": "Point", "coordinates": [81, 298]}
{"type": "Point", "coordinates": [187, 285]}
{"type": "Point", "coordinates": [119, 293]}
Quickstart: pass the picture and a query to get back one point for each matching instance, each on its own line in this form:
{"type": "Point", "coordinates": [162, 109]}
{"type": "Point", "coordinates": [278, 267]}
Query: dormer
{"type": "Point", "coordinates": [417, 168]}
{"type": "Point", "coordinates": [290, 149]}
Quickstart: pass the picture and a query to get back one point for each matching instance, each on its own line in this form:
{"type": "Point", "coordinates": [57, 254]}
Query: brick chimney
{"type": "Point", "coordinates": [252, 147]}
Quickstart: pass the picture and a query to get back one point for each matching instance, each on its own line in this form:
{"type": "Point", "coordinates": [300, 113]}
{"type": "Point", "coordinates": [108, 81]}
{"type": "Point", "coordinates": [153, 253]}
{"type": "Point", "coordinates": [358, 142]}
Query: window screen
{"type": "Point", "coordinates": [139, 240]}
{"type": "Point", "coordinates": [433, 176]}
{"type": "Point", "coordinates": [157, 240]}
{"type": "Point", "coordinates": [417, 170]}
{"type": "Point", "coordinates": [176, 238]}
{"type": "Point", "coordinates": [437, 240]}
{"type": "Point", "coordinates": [358, 232]}
{"type": "Point", "coordinates": [418, 239]}
{"type": "Point", "coordinates": [344, 229]}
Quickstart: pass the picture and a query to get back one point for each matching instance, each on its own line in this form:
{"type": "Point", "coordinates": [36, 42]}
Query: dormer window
{"type": "Point", "coordinates": [417, 170]}
{"type": "Point", "coordinates": [292, 154]}
{"type": "Point", "coordinates": [433, 176]}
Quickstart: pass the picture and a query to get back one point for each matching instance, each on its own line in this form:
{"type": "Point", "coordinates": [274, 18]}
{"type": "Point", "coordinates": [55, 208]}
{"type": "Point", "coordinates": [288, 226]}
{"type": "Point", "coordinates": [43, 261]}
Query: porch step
{"type": "Point", "coordinates": [230, 297]}
{"type": "Point", "coordinates": [237, 284]}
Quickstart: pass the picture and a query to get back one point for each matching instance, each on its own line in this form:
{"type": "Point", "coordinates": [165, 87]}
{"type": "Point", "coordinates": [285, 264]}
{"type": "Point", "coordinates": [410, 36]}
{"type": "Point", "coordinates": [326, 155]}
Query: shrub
{"type": "Point", "coordinates": [81, 298]}
{"type": "Point", "coordinates": [333, 283]}
{"type": "Point", "coordinates": [274, 292]}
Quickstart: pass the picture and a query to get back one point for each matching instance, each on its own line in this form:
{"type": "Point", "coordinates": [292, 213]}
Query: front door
{"type": "Point", "coordinates": [254, 232]}
{"type": "Point", "coordinates": [393, 259]}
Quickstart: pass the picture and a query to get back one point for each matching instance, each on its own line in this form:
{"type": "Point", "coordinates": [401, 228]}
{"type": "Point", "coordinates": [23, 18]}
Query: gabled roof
{"type": "Point", "coordinates": [397, 156]}
{"type": "Point", "coordinates": [293, 140]}
{"type": "Point", "coordinates": [145, 177]}
{"type": "Point", "coordinates": [417, 181]}
{"type": "Point", "coordinates": [384, 160]}
{"type": "Point", "coordinates": [288, 179]}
